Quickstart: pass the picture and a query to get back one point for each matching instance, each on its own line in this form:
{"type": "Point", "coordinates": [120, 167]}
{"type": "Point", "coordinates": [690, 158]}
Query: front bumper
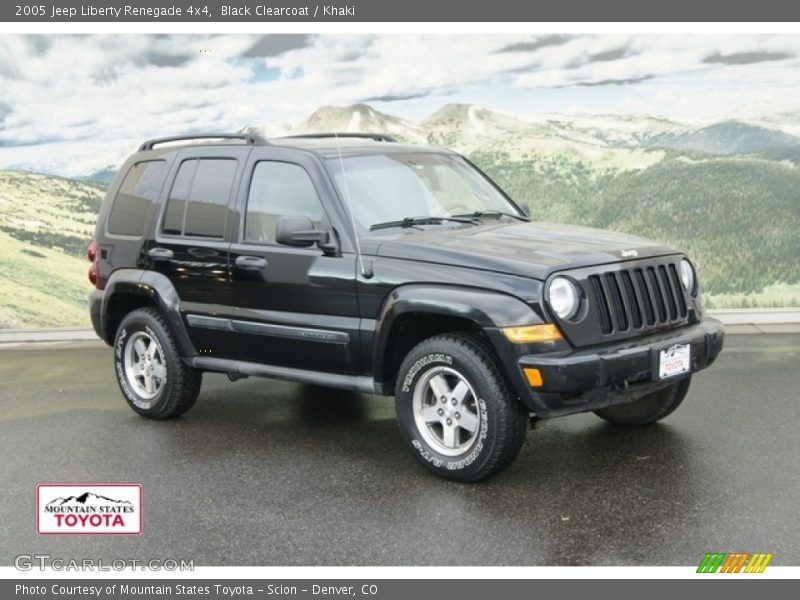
{"type": "Point", "coordinates": [590, 378]}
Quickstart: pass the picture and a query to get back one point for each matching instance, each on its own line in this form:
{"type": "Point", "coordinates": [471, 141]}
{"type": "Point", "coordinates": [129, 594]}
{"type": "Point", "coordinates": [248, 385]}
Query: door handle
{"type": "Point", "coordinates": [160, 253]}
{"type": "Point", "coordinates": [250, 262]}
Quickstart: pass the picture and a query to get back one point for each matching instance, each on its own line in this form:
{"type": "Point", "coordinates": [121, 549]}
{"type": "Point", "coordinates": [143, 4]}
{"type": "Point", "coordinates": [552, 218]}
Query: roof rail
{"type": "Point", "coordinates": [377, 137]}
{"type": "Point", "coordinates": [248, 138]}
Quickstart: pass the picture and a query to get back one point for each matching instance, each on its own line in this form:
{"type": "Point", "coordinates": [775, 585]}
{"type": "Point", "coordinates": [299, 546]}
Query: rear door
{"type": "Point", "coordinates": [296, 307]}
{"type": "Point", "coordinates": [192, 240]}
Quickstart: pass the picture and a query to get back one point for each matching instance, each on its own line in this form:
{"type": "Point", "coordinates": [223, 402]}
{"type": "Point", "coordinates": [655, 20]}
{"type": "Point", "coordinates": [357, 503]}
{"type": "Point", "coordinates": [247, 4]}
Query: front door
{"type": "Point", "coordinates": [296, 307]}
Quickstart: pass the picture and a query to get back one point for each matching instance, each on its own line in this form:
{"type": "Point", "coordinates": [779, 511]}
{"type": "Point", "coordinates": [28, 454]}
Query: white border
{"type": "Point", "coordinates": [378, 573]}
{"type": "Point", "coordinates": [404, 27]}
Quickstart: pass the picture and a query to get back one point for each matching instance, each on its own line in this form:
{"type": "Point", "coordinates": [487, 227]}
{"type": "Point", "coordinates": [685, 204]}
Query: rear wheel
{"type": "Point", "coordinates": [155, 382]}
{"type": "Point", "coordinates": [647, 409]}
{"type": "Point", "coordinates": [456, 410]}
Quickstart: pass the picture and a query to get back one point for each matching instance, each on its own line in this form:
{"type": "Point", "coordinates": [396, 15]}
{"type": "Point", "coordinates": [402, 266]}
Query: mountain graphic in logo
{"type": "Point", "coordinates": [86, 499]}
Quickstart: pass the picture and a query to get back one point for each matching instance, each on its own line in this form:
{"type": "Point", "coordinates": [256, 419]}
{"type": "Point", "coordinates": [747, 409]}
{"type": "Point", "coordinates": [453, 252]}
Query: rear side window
{"type": "Point", "coordinates": [138, 192]}
{"type": "Point", "coordinates": [198, 202]}
{"type": "Point", "coordinates": [278, 189]}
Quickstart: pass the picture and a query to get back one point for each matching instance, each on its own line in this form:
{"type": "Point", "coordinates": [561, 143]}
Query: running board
{"type": "Point", "coordinates": [364, 385]}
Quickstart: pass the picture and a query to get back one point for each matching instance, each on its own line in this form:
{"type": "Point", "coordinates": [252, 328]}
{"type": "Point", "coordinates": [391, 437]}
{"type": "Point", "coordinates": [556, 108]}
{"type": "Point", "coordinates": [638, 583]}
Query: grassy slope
{"type": "Point", "coordinates": [41, 287]}
{"type": "Point", "coordinates": [45, 225]}
{"type": "Point", "coordinates": [738, 217]}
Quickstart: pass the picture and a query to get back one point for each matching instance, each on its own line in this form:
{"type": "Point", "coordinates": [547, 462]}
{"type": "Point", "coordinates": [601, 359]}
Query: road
{"type": "Point", "coordinates": [262, 472]}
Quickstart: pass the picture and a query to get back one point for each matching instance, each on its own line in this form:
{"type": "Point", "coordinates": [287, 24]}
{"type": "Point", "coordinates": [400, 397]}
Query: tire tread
{"type": "Point", "coordinates": [184, 381]}
{"type": "Point", "coordinates": [511, 420]}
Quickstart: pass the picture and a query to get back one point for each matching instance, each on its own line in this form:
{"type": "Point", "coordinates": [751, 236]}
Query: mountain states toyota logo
{"type": "Point", "coordinates": [89, 508]}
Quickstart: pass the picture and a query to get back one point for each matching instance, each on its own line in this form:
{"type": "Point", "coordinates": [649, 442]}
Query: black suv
{"type": "Point", "coordinates": [353, 261]}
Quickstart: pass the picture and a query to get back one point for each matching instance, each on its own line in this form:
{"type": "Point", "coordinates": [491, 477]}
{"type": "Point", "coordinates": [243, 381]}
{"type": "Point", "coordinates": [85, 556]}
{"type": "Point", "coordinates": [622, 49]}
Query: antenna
{"type": "Point", "coordinates": [366, 273]}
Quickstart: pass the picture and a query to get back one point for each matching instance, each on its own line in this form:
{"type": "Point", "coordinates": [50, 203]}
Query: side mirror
{"type": "Point", "coordinates": [299, 231]}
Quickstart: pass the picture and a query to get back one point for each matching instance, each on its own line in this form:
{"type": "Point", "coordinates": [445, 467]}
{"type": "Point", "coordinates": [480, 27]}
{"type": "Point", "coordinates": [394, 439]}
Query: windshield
{"type": "Point", "coordinates": [391, 187]}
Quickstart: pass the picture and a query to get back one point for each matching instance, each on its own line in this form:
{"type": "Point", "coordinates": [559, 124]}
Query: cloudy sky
{"type": "Point", "coordinates": [63, 97]}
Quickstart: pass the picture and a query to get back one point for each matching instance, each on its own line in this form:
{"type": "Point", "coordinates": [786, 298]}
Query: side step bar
{"type": "Point", "coordinates": [364, 385]}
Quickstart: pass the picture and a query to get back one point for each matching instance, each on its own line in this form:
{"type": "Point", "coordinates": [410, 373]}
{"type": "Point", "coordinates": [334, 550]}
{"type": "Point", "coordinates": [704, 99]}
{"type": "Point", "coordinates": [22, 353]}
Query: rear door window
{"type": "Point", "coordinates": [198, 202]}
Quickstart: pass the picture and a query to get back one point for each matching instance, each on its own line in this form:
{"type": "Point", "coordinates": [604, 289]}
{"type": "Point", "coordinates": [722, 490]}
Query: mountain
{"type": "Point", "coordinates": [728, 137]}
{"type": "Point", "coordinates": [614, 130]}
{"type": "Point", "coordinates": [103, 176]}
{"type": "Point", "coordinates": [787, 121]}
{"type": "Point", "coordinates": [468, 119]}
{"type": "Point", "coordinates": [86, 499]}
{"type": "Point", "coordinates": [268, 130]}
{"type": "Point", "coordinates": [358, 118]}
{"type": "Point", "coordinates": [88, 160]}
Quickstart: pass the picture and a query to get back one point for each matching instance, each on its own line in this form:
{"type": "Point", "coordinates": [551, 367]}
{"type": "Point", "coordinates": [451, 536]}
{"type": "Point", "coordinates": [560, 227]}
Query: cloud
{"type": "Point", "coordinates": [746, 58]}
{"type": "Point", "coordinates": [158, 59]}
{"type": "Point", "coordinates": [274, 45]}
{"type": "Point", "coordinates": [394, 97]}
{"type": "Point", "coordinates": [609, 55]}
{"type": "Point", "coordinates": [629, 81]}
{"type": "Point", "coordinates": [100, 90]}
{"type": "Point", "coordinates": [599, 60]}
{"type": "Point", "coordinates": [537, 44]}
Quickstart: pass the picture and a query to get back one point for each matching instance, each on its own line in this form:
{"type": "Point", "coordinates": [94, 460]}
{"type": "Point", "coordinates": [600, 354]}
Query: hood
{"type": "Point", "coordinates": [527, 249]}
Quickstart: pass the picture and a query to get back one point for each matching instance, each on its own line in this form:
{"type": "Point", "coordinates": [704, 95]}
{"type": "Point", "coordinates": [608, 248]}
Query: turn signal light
{"type": "Point", "coordinates": [528, 334]}
{"type": "Point", "coordinates": [534, 377]}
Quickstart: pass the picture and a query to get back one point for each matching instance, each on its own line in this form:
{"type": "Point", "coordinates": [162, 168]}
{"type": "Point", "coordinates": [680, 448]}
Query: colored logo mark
{"type": "Point", "coordinates": [734, 562]}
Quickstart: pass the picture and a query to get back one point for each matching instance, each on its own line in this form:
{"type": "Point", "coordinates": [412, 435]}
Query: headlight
{"type": "Point", "coordinates": [687, 276]}
{"type": "Point", "coordinates": [563, 297]}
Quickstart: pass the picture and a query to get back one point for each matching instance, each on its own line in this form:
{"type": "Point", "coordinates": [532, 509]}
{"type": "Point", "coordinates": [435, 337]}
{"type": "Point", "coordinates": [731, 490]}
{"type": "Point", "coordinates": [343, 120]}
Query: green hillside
{"type": "Point", "coordinates": [738, 217]}
{"type": "Point", "coordinates": [45, 225]}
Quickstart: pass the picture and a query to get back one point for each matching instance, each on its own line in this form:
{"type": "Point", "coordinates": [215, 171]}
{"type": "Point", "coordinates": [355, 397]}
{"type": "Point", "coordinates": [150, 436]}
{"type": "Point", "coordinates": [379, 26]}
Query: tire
{"type": "Point", "coordinates": [648, 409]}
{"type": "Point", "coordinates": [480, 428]}
{"type": "Point", "coordinates": [155, 382]}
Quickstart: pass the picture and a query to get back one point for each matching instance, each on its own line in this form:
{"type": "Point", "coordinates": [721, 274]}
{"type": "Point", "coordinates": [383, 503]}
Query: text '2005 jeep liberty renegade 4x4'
{"type": "Point", "coordinates": [356, 262]}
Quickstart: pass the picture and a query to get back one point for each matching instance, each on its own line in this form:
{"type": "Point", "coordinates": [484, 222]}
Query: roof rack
{"type": "Point", "coordinates": [377, 137]}
{"type": "Point", "coordinates": [248, 138]}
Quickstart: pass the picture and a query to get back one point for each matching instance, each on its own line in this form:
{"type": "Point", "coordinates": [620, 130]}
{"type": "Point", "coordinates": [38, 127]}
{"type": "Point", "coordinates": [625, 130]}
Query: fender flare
{"type": "Point", "coordinates": [154, 286]}
{"type": "Point", "coordinates": [488, 309]}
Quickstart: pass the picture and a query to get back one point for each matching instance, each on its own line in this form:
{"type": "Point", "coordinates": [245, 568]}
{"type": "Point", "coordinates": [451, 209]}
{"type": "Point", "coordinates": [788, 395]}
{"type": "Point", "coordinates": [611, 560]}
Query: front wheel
{"type": "Point", "coordinates": [456, 410]}
{"type": "Point", "coordinates": [647, 409]}
{"type": "Point", "coordinates": [154, 381]}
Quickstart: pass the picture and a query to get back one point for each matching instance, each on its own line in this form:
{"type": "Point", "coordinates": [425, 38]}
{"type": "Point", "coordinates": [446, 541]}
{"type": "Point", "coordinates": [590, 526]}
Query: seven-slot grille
{"type": "Point", "coordinates": [636, 298]}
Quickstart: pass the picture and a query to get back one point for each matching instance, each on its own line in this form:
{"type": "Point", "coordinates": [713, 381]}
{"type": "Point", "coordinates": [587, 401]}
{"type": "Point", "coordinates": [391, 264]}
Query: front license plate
{"type": "Point", "coordinates": [674, 360]}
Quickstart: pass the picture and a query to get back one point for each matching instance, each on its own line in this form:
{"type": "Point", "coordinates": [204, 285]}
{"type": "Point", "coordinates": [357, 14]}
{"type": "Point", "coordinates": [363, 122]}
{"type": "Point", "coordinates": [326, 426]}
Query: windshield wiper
{"type": "Point", "coordinates": [492, 213]}
{"type": "Point", "coordinates": [413, 221]}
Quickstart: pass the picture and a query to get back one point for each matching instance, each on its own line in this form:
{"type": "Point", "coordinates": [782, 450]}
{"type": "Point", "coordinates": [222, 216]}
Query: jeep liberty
{"type": "Point", "coordinates": [353, 261]}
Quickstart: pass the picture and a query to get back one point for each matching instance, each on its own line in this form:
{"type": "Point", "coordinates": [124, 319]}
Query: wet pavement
{"type": "Point", "coordinates": [262, 472]}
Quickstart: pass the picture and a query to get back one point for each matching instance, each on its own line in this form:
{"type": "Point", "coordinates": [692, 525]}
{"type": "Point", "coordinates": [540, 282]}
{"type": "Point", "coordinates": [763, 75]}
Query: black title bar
{"type": "Point", "coordinates": [400, 10]}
